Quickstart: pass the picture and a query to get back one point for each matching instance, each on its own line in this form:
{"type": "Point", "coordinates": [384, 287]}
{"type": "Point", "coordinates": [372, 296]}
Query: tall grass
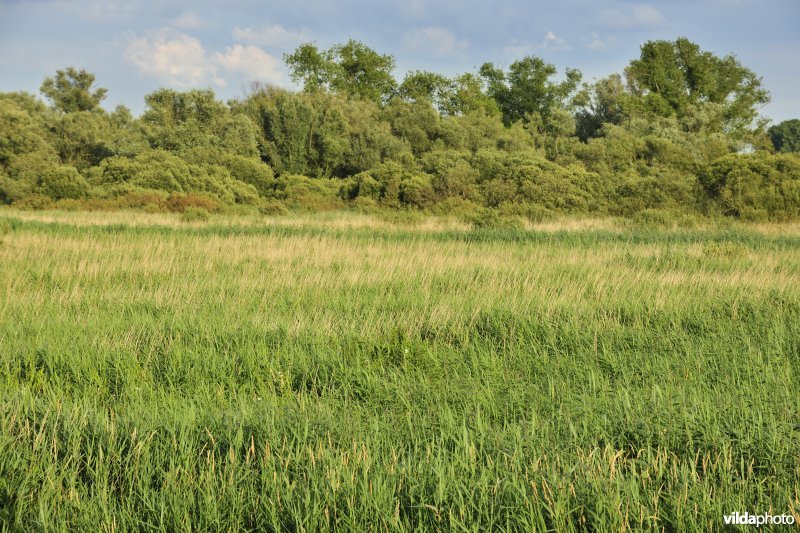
{"type": "Point", "coordinates": [346, 373]}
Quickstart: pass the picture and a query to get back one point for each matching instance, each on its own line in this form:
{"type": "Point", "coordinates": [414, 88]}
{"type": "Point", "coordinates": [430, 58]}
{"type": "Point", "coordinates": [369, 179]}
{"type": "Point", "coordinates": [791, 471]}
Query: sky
{"type": "Point", "coordinates": [135, 47]}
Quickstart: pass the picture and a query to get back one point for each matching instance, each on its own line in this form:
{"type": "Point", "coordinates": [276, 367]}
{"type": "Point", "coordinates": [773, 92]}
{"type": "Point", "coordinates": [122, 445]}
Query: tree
{"type": "Point", "coordinates": [606, 106]}
{"type": "Point", "coordinates": [785, 136]}
{"type": "Point", "coordinates": [22, 128]}
{"type": "Point", "coordinates": [466, 94]}
{"type": "Point", "coordinates": [428, 86]}
{"type": "Point", "coordinates": [185, 120]}
{"type": "Point", "coordinates": [415, 122]}
{"type": "Point", "coordinates": [309, 65]}
{"type": "Point", "coordinates": [677, 77]}
{"type": "Point", "coordinates": [527, 90]}
{"type": "Point", "coordinates": [351, 68]}
{"type": "Point", "coordinates": [71, 90]}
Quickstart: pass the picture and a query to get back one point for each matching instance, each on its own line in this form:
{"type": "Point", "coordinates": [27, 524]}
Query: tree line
{"type": "Point", "coordinates": [678, 132]}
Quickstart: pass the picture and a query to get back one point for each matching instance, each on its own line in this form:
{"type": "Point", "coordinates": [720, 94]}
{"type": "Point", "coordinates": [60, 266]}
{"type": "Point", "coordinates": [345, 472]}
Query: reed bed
{"type": "Point", "coordinates": [346, 372]}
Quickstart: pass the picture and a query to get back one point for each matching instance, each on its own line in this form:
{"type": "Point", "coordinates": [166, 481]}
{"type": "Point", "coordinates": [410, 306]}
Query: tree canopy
{"type": "Point", "coordinates": [668, 135]}
{"type": "Point", "coordinates": [351, 68]}
{"type": "Point", "coordinates": [677, 77]}
{"type": "Point", "coordinates": [72, 90]}
{"type": "Point", "coordinates": [785, 136]}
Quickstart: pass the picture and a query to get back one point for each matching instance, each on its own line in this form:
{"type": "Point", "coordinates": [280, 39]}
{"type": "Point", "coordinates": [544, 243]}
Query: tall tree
{"type": "Point", "coordinates": [678, 77]}
{"type": "Point", "coordinates": [607, 105]}
{"type": "Point", "coordinates": [72, 90]}
{"type": "Point", "coordinates": [527, 89]}
{"type": "Point", "coordinates": [351, 68]}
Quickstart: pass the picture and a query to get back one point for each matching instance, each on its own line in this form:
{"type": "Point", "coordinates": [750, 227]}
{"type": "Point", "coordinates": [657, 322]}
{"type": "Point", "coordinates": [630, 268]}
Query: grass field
{"type": "Point", "coordinates": [341, 371]}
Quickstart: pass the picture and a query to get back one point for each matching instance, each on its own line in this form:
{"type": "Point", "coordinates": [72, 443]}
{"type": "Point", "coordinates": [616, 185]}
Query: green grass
{"type": "Point", "coordinates": [340, 372]}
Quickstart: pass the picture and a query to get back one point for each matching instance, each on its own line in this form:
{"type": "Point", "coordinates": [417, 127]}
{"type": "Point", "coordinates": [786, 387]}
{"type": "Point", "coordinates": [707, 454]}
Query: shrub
{"type": "Point", "coordinates": [195, 214]}
{"type": "Point", "coordinates": [12, 190]}
{"type": "Point", "coordinates": [458, 207]}
{"type": "Point", "coordinates": [272, 208]}
{"type": "Point", "coordinates": [362, 185]}
{"type": "Point", "coordinates": [493, 219]}
{"type": "Point", "coordinates": [302, 192]}
{"type": "Point", "coordinates": [417, 191]}
{"type": "Point", "coordinates": [180, 203]}
{"type": "Point", "coordinates": [656, 218]}
{"type": "Point", "coordinates": [61, 181]}
{"type": "Point", "coordinates": [34, 202]}
{"type": "Point", "coordinates": [759, 186]}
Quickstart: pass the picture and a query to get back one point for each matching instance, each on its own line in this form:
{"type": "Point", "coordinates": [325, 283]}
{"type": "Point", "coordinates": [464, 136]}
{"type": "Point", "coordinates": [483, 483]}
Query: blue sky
{"type": "Point", "coordinates": [135, 47]}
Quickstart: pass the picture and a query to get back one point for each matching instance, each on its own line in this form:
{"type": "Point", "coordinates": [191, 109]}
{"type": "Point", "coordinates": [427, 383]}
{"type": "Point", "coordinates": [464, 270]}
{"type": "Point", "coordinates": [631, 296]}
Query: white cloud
{"type": "Point", "coordinates": [252, 61]}
{"type": "Point", "coordinates": [171, 57]}
{"type": "Point", "coordinates": [554, 42]}
{"type": "Point", "coordinates": [436, 40]}
{"type": "Point", "coordinates": [188, 21]}
{"type": "Point", "coordinates": [551, 42]}
{"type": "Point", "coordinates": [179, 60]}
{"type": "Point", "coordinates": [641, 17]}
{"type": "Point", "coordinates": [596, 42]}
{"type": "Point", "coordinates": [272, 35]}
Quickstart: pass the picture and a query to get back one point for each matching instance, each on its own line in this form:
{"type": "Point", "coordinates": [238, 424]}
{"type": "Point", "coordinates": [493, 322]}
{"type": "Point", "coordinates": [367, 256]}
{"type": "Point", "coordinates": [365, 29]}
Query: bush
{"type": "Point", "coordinates": [531, 212]}
{"type": "Point", "coordinates": [362, 185]}
{"type": "Point", "coordinates": [417, 191]}
{"type": "Point", "coordinates": [61, 181]}
{"type": "Point", "coordinates": [755, 187]}
{"type": "Point", "coordinates": [493, 219]}
{"type": "Point", "coordinates": [180, 203]}
{"type": "Point", "coordinates": [656, 218]}
{"type": "Point", "coordinates": [195, 214]}
{"type": "Point", "coordinates": [272, 208]}
{"type": "Point", "coordinates": [459, 208]}
{"type": "Point", "coordinates": [319, 194]}
{"type": "Point", "coordinates": [35, 202]}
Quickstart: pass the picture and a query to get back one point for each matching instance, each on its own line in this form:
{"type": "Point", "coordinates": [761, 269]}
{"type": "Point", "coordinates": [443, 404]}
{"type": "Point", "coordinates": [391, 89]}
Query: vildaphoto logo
{"type": "Point", "coordinates": [758, 520]}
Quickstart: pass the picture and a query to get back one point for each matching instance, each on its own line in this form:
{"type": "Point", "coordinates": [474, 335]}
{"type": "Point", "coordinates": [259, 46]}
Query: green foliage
{"type": "Point", "coordinates": [451, 174]}
{"type": "Point", "coordinates": [40, 173]}
{"type": "Point", "coordinates": [62, 181]}
{"type": "Point", "coordinates": [351, 68]}
{"type": "Point", "coordinates": [426, 86]}
{"type": "Point", "coordinates": [785, 136]}
{"type": "Point", "coordinates": [674, 76]}
{"type": "Point", "coordinates": [758, 186]}
{"type": "Point", "coordinates": [304, 193]}
{"type": "Point", "coordinates": [82, 138]}
{"type": "Point", "coordinates": [195, 214]}
{"type": "Point", "coordinates": [417, 191]}
{"type": "Point", "coordinates": [415, 122]}
{"type": "Point", "coordinates": [163, 171]}
{"type": "Point", "coordinates": [71, 91]}
{"type": "Point", "coordinates": [529, 180]}
{"type": "Point", "coordinates": [522, 141]}
{"type": "Point", "coordinates": [526, 91]}
{"type": "Point", "coordinates": [181, 121]}
{"type": "Point", "coordinates": [22, 128]}
{"type": "Point", "coordinates": [608, 104]}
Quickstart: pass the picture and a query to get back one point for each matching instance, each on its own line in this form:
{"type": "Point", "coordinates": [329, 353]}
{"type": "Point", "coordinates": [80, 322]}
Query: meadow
{"type": "Point", "coordinates": [351, 372]}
